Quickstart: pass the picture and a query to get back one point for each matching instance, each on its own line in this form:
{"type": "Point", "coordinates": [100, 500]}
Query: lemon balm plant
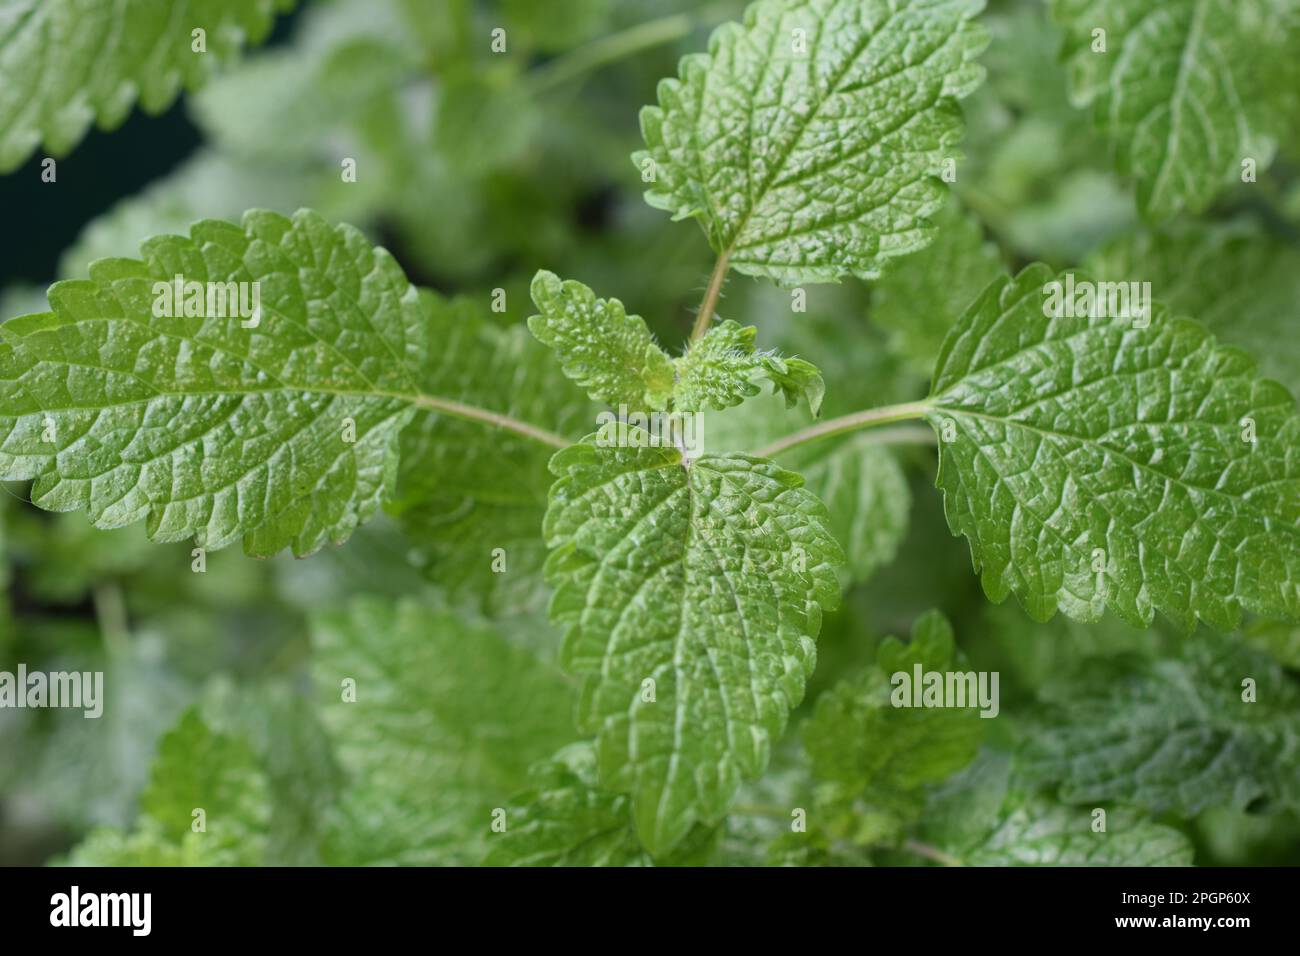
{"type": "Point", "coordinates": [1105, 458]}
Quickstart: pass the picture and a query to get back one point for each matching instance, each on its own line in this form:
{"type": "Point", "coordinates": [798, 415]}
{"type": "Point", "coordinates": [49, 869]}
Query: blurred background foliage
{"type": "Point", "coordinates": [476, 170]}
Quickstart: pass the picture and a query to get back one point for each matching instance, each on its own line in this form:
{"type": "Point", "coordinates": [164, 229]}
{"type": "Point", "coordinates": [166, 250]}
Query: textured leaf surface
{"type": "Point", "coordinates": [565, 819]}
{"type": "Point", "coordinates": [981, 818]}
{"type": "Point", "coordinates": [447, 720]}
{"type": "Point", "coordinates": [608, 352]}
{"type": "Point", "coordinates": [919, 298]}
{"type": "Point", "coordinates": [1243, 284]}
{"type": "Point", "coordinates": [1075, 434]}
{"type": "Point", "coordinates": [709, 581]}
{"type": "Point", "coordinates": [808, 140]}
{"type": "Point", "coordinates": [1185, 89]}
{"type": "Point", "coordinates": [209, 429]}
{"type": "Point", "coordinates": [857, 738]}
{"type": "Point", "coordinates": [719, 370]}
{"type": "Point", "coordinates": [1176, 734]}
{"type": "Point", "coordinates": [64, 63]}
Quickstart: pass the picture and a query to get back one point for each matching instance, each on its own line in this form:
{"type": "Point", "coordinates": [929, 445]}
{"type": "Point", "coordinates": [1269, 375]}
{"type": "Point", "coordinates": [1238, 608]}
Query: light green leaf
{"type": "Point", "coordinates": [196, 768]}
{"type": "Point", "coordinates": [565, 819]}
{"type": "Point", "coordinates": [283, 432]}
{"type": "Point", "coordinates": [447, 719]}
{"type": "Point", "coordinates": [1082, 443]}
{"type": "Point", "coordinates": [718, 372]}
{"type": "Point", "coordinates": [1242, 283]}
{"type": "Point", "coordinates": [707, 581]}
{"type": "Point", "coordinates": [1184, 90]}
{"type": "Point", "coordinates": [809, 140]}
{"type": "Point", "coordinates": [920, 297]}
{"type": "Point", "coordinates": [980, 818]}
{"type": "Point", "coordinates": [64, 63]}
{"type": "Point", "coordinates": [859, 739]}
{"type": "Point", "coordinates": [606, 351]}
{"type": "Point", "coordinates": [1180, 734]}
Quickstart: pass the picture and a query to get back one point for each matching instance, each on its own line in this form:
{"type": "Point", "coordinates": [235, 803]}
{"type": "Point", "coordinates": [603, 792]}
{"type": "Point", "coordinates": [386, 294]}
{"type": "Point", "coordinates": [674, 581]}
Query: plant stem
{"type": "Point", "coordinates": [931, 853]}
{"type": "Point", "coordinates": [483, 416]}
{"type": "Point", "coordinates": [711, 296]}
{"type": "Point", "coordinates": [110, 614]}
{"type": "Point", "coordinates": [616, 46]}
{"type": "Point", "coordinates": [847, 423]}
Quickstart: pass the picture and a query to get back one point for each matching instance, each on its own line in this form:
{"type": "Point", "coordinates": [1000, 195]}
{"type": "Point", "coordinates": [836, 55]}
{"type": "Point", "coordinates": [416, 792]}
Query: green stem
{"type": "Point", "coordinates": [624, 43]}
{"type": "Point", "coordinates": [711, 295]}
{"type": "Point", "coordinates": [483, 416]}
{"type": "Point", "coordinates": [110, 613]}
{"type": "Point", "coordinates": [931, 853]}
{"type": "Point", "coordinates": [848, 423]}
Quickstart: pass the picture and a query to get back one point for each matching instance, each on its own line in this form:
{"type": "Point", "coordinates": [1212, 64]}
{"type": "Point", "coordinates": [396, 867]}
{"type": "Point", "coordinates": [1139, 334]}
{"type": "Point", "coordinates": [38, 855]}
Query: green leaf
{"type": "Point", "coordinates": [861, 740]}
{"type": "Point", "coordinates": [565, 819]}
{"type": "Point", "coordinates": [606, 351]}
{"type": "Point", "coordinates": [920, 297]}
{"type": "Point", "coordinates": [1184, 90]}
{"type": "Point", "coordinates": [809, 140]}
{"type": "Point", "coordinates": [284, 433]}
{"type": "Point", "coordinates": [196, 769]}
{"type": "Point", "coordinates": [64, 63]}
{"type": "Point", "coordinates": [708, 581]}
{"type": "Point", "coordinates": [447, 719]}
{"type": "Point", "coordinates": [1242, 283]}
{"type": "Point", "coordinates": [1178, 734]}
{"type": "Point", "coordinates": [980, 818]}
{"type": "Point", "coordinates": [718, 372]}
{"type": "Point", "coordinates": [199, 769]}
{"type": "Point", "coordinates": [1088, 442]}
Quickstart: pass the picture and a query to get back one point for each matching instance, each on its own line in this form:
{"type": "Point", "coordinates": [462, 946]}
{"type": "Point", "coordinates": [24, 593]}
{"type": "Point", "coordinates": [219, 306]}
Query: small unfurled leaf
{"type": "Point", "coordinates": [719, 370]}
{"type": "Point", "coordinates": [66, 63]}
{"type": "Point", "coordinates": [565, 819]}
{"type": "Point", "coordinates": [606, 351]}
{"type": "Point", "coordinates": [810, 139]}
{"type": "Point", "coordinates": [691, 597]}
{"type": "Point", "coordinates": [435, 720]}
{"type": "Point", "coordinates": [1218, 725]}
{"type": "Point", "coordinates": [1097, 460]}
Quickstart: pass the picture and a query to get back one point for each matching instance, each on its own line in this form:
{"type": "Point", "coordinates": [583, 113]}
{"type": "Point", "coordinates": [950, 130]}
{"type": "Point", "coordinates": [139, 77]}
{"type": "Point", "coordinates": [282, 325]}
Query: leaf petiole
{"type": "Point", "coordinates": [869, 418]}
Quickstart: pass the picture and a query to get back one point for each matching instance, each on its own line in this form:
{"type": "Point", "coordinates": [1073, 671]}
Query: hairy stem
{"type": "Point", "coordinates": [483, 416]}
{"type": "Point", "coordinates": [711, 296]}
{"type": "Point", "coordinates": [884, 415]}
{"type": "Point", "coordinates": [624, 43]}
